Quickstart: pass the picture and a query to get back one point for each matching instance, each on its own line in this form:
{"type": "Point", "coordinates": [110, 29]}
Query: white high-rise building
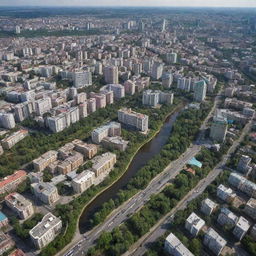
{"type": "Point", "coordinates": [150, 98]}
{"type": "Point", "coordinates": [43, 105]}
{"type": "Point", "coordinates": [133, 119]}
{"type": "Point", "coordinates": [111, 74]}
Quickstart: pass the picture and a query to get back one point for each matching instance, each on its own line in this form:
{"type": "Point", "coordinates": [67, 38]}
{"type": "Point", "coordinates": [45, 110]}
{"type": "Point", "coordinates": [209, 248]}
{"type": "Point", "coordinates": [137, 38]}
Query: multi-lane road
{"type": "Point", "coordinates": [137, 201]}
{"type": "Point", "coordinates": [161, 227]}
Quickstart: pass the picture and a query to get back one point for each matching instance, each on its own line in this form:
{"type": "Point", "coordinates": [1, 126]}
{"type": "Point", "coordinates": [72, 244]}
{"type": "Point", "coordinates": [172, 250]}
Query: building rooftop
{"type": "Point", "coordinates": [9, 179]}
{"type": "Point", "coordinates": [17, 200]}
{"type": "Point", "coordinates": [44, 187]}
{"type": "Point", "coordinates": [99, 161]}
{"type": "Point", "coordinates": [214, 235]}
{"type": "Point", "coordinates": [243, 223]}
{"type": "Point", "coordinates": [178, 245]}
{"type": "Point", "coordinates": [48, 221]}
{"type": "Point", "coordinates": [84, 176]}
{"type": "Point", "coordinates": [195, 220]}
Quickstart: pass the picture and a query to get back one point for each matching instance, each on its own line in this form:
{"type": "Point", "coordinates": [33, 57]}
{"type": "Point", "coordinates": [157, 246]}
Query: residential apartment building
{"type": "Point", "coordinates": [250, 208]}
{"type": "Point", "coordinates": [218, 129]}
{"type": "Point", "coordinates": [43, 106]}
{"type": "Point", "coordinates": [194, 224]}
{"type": "Point", "coordinates": [133, 119]}
{"type": "Point", "coordinates": [117, 89]}
{"type": "Point", "coordinates": [111, 129]}
{"type": "Point", "coordinates": [88, 150]}
{"type": "Point", "coordinates": [225, 194]}
{"type": "Point", "coordinates": [45, 231]}
{"type": "Point", "coordinates": [208, 206]}
{"type": "Point", "coordinates": [11, 182]}
{"type": "Point", "coordinates": [103, 164]}
{"type": "Point", "coordinates": [226, 217]}
{"type": "Point", "coordinates": [241, 183]}
{"type": "Point", "coordinates": [83, 181]}
{"type": "Point", "coordinates": [14, 138]}
{"type": "Point", "coordinates": [21, 206]}
{"type": "Point", "coordinates": [82, 79]}
{"type": "Point", "coordinates": [46, 192]}
{"type": "Point", "coordinates": [214, 241]}
{"type": "Point", "coordinates": [7, 120]}
{"type": "Point", "coordinates": [241, 228]}
{"type": "Point", "coordinates": [173, 246]}
{"type": "Point", "coordinates": [111, 74]}
{"type": "Point", "coordinates": [44, 160]}
{"type": "Point", "coordinates": [6, 243]}
{"type": "Point", "coordinates": [200, 89]}
{"type": "Point", "coordinates": [115, 142]}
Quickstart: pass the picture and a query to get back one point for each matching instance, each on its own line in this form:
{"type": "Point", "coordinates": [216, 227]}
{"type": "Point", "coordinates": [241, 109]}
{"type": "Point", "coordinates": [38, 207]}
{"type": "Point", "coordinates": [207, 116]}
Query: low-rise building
{"type": "Point", "coordinates": [14, 138]}
{"type": "Point", "coordinates": [103, 164]}
{"type": "Point", "coordinates": [214, 241]}
{"type": "Point", "coordinates": [88, 150]}
{"type": "Point", "coordinates": [111, 129]}
{"type": "Point", "coordinates": [46, 192]}
{"type": "Point", "coordinates": [46, 230]}
{"type": "Point", "coordinates": [173, 246]}
{"type": "Point", "coordinates": [83, 181]}
{"type": "Point", "coordinates": [253, 232]}
{"type": "Point", "coordinates": [243, 165]}
{"type": "Point", "coordinates": [194, 224]}
{"type": "Point", "coordinates": [241, 228]}
{"type": "Point", "coordinates": [115, 142]}
{"type": "Point", "coordinates": [226, 217]}
{"type": "Point", "coordinates": [17, 252]}
{"type": "Point", "coordinates": [241, 183]}
{"type": "Point", "coordinates": [250, 208]}
{"type": "Point", "coordinates": [208, 206]}
{"type": "Point", "coordinates": [6, 243]}
{"type": "Point", "coordinates": [20, 205]}
{"type": "Point", "coordinates": [44, 160]}
{"type": "Point", "coordinates": [11, 182]}
{"type": "Point", "coordinates": [225, 194]}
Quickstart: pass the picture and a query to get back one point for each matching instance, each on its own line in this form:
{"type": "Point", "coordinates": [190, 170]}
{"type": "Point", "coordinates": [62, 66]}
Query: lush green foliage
{"type": "Point", "coordinates": [22, 230]}
{"type": "Point", "coordinates": [70, 213]}
{"type": "Point", "coordinates": [184, 131]}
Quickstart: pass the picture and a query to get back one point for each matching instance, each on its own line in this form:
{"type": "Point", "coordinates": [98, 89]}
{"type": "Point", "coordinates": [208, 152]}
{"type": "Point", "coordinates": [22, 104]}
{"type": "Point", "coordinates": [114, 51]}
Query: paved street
{"type": "Point", "coordinates": [158, 230]}
{"type": "Point", "coordinates": [82, 244]}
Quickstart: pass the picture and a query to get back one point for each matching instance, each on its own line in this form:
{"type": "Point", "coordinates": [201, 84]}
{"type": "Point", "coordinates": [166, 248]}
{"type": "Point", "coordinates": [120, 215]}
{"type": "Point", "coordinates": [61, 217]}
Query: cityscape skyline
{"type": "Point", "coordinates": [133, 3]}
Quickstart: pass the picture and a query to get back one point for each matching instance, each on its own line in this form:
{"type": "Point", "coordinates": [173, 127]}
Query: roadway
{"type": "Point", "coordinates": [140, 247]}
{"type": "Point", "coordinates": [121, 214]}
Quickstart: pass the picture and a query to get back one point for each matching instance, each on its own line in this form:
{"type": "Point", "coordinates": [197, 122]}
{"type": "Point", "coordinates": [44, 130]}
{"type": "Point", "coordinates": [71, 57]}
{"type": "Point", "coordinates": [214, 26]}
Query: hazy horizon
{"type": "Point", "coordinates": [132, 3]}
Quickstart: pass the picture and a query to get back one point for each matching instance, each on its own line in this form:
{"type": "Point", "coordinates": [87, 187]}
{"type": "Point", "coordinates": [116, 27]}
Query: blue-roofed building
{"type": "Point", "coordinates": [3, 220]}
{"type": "Point", "coordinates": [195, 162]}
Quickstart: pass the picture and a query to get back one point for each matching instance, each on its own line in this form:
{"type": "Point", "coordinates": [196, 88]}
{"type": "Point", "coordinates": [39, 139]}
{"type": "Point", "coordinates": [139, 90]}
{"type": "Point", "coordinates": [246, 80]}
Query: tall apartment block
{"type": "Point", "coordinates": [111, 74]}
{"type": "Point", "coordinates": [82, 79]}
{"type": "Point", "coordinates": [133, 119]}
{"type": "Point", "coordinates": [200, 89]}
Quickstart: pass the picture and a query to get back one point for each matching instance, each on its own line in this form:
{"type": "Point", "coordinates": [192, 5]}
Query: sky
{"type": "Point", "coordinates": [194, 3]}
